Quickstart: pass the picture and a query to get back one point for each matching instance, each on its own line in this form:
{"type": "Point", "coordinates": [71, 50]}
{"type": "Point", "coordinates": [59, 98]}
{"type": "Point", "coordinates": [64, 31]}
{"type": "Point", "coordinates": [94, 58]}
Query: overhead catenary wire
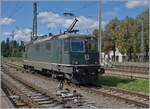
{"type": "Point", "coordinates": [83, 7]}
{"type": "Point", "coordinates": [14, 12]}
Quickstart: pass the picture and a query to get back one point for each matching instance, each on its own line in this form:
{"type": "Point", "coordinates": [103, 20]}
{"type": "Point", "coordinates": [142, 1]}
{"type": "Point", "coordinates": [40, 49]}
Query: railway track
{"type": "Point", "coordinates": [128, 69]}
{"type": "Point", "coordinates": [133, 66]}
{"type": "Point", "coordinates": [138, 99]}
{"type": "Point", "coordinates": [133, 72]}
{"type": "Point", "coordinates": [22, 96]}
{"type": "Point", "coordinates": [127, 75]}
{"type": "Point", "coordinates": [33, 96]}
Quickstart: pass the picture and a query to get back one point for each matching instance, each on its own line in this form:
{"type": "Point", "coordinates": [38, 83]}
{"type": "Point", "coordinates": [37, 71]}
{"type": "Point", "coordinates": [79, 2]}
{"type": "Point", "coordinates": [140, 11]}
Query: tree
{"type": "Point", "coordinates": [110, 36]}
{"type": "Point", "coordinates": [125, 36]}
{"type": "Point", "coordinates": [3, 48]}
{"type": "Point", "coordinates": [11, 48]}
{"type": "Point", "coordinates": [95, 33]}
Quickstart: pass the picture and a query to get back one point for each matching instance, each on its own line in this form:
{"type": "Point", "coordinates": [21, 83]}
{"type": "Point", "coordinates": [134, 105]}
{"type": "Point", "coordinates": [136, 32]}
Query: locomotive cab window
{"type": "Point", "coordinates": [77, 46]}
{"type": "Point", "coordinates": [91, 46]}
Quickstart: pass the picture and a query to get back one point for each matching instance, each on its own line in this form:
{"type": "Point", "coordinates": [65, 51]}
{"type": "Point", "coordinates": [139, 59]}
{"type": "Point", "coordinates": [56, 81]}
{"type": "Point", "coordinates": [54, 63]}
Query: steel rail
{"type": "Point", "coordinates": [127, 92]}
{"type": "Point", "coordinates": [129, 75]}
{"type": "Point", "coordinates": [127, 66]}
{"type": "Point", "coordinates": [133, 70]}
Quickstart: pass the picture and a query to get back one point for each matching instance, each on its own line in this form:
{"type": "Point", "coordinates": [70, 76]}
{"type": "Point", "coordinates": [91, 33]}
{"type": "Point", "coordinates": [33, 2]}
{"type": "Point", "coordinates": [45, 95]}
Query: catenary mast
{"type": "Point", "coordinates": [100, 30]}
{"type": "Point", "coordinates": [34, 26]}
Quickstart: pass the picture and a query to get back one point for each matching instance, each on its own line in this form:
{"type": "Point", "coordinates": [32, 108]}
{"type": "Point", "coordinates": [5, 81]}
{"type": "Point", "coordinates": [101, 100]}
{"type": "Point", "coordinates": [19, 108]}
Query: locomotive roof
{"type": "Point", "coordinates": [62, 36]}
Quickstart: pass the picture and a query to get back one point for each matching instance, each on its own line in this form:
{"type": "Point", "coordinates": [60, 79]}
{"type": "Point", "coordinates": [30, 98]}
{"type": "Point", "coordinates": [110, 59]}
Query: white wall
{"type": "Point", "coordinates": [117, 53]}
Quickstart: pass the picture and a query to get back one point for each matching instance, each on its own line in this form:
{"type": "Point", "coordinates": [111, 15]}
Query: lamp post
{"type": "Point", "coordinates": [12, 46]}
{"type": "Point", "coordinates": [128, 27]}
{"type": "Point", "coordinates": [142, 41]}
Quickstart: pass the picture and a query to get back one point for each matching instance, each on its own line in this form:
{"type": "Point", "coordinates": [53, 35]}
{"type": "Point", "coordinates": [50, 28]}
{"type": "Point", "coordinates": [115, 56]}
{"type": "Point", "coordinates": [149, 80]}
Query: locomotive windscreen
{"type": "Point", "coordinates": [77, 46]}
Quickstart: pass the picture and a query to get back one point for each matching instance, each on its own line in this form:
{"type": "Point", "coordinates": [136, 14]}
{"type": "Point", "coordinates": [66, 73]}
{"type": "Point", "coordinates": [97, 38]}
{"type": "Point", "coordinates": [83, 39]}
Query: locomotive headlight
{"type": "Point", "coordinates": [77, 70]}
{"type": "Point", "coordinates": [76, 62]}
{"type": "Point", "coordinates": [96, 62]}
{"type": "Point", "coordinates": [102, 64]}
{"type": "Point", "coordinates": [99, 70]}
{"type": "Point", "coordinates": [93, 73]}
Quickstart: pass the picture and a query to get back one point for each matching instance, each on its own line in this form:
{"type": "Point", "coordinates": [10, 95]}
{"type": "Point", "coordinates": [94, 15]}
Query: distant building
{"type": "Point", "coordinates": [118, 56]}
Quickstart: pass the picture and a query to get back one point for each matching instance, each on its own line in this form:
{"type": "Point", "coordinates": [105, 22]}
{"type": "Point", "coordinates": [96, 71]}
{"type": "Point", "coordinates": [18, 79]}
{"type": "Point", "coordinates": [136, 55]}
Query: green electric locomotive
{"type": "Point", "coordinates": [71, 55]}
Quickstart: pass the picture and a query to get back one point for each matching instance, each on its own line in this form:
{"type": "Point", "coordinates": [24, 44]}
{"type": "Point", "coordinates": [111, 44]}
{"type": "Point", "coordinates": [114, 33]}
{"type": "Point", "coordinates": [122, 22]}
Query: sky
{"type": "Point", "coordinates": [16, 16]}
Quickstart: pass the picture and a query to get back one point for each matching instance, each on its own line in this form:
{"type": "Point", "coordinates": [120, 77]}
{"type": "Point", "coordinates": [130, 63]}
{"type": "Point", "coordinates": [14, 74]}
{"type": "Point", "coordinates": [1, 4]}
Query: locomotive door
{"type": "Point", "coordinates": [61, 52]}
{"type": "Point", "coordinates": [65, 51]}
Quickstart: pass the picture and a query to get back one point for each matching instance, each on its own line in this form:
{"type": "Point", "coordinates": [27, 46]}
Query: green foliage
{"type": "Point", "coordinates": [11, 48]}
{"type": "Point", "coordinates": [95, 33]}
{"type": "Point", "coordinates": [109, 36]}
{"type": "Point", "coordinates": [128, 84]}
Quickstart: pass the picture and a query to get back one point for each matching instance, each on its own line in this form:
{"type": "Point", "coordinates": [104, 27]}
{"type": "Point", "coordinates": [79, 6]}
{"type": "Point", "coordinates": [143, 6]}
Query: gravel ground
{"type": "Point", "coordinates": [5, 102]}
{"type": "Point", "coordinates": [51, 85]}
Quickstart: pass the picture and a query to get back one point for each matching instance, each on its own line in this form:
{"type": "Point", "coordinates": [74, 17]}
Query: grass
{"type": "Point", "coordinates": [128, 84]}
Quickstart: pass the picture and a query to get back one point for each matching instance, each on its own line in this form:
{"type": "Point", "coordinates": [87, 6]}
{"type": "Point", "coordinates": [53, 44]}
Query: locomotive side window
{"type": "Point", "coordinates": [37, 47]}
{"type": "Point", "coordinates": [48, 46]}
{"type": "Point", "coordinates": [66, 45]}
{"type": "Point", "coordinates": [77, 46]}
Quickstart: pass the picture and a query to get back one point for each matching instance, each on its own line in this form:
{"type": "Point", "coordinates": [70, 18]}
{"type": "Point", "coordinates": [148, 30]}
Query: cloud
{"type": "Point", "coordinates": [6, 33]}
{"type": "Point", "coordinates": [22, 34]}
{"type": "Point", "coordinates": [112, 13]}
{"type": "Point", "coordinates": [6, 21]}
{"type": "Point", "coordinates": [104, 23]}
{"type": "Point", "coordinates": [137, 3]}
{"type": "Point", "coordinates": [54, 20]}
